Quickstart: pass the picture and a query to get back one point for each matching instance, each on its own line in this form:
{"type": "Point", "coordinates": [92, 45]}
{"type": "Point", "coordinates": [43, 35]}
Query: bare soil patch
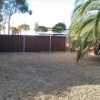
{"type": "Point", "coordinates": [48, 76]}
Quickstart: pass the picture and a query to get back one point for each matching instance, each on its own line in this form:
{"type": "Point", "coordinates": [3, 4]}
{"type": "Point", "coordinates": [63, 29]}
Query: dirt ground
{"type": "Point", "coordinates": [48, 76]}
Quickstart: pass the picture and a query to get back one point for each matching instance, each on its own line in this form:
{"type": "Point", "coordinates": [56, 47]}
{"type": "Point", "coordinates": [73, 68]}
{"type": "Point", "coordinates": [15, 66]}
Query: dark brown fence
{"type": "Point", "coordinates": [19, 43]}
{"type": "Point", "coordinates": [37, 43]}
{"type": "Point", "coordinates": [11, 43]}
{"type": "Point", "coordinates": [58, 43]}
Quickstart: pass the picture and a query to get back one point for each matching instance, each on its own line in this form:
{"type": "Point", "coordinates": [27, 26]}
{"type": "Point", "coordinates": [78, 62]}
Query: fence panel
{"type": "Point", "coordinates": [58, 43]}
{"type": "Point", "coordinates": [11, 43]}
{"type": "Point", "coordinates": [37, 43]}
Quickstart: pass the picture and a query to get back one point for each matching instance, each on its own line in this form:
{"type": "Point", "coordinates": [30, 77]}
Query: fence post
{"type": "Point", "coordinates": [50, 44]}
{"type": "Point", "coordinates": [66, 43]}
{"type": "Point", "coordinates": [24, 43]}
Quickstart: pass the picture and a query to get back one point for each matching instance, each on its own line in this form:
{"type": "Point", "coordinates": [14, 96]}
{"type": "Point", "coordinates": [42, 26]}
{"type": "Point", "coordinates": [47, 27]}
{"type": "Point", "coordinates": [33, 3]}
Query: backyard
{"type": "Point", "coordinates": [48, 76]}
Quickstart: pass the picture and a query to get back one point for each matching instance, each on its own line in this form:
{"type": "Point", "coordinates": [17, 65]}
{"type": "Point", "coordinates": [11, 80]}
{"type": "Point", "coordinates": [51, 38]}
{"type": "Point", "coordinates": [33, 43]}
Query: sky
{"type": "Point", "coordinates": [46, 13]}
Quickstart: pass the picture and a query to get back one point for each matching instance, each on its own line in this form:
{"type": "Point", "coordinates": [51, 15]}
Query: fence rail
{"type": "Point", "coordinates": [20, 43]}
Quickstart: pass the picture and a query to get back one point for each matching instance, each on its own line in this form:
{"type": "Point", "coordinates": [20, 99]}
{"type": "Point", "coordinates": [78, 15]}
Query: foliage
{"type": "Point", "coordinates": [40, 29]}
{"type": "Point", "coordinates": [14, 30]}
{"type": "Point", "coordinates": [59, 28]}
{"type": "Point", "coordinates": [1, 17]}
{"type": "Point", "coordinates": [10, 7]}
{"type": "Point", "coordinates": [24, 27]}
{"type": "Point", "coordinates": [1, 27]}
{"type": "Point", "coordinates": [36, 29]}
{"type": "Point", "coordinates": [84, 31]}
{"type": "Point", "coordinates": [13, 6]}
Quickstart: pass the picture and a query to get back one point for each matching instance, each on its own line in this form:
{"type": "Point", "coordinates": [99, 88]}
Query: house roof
{"type": "Point", "coordinates": [49, 28]}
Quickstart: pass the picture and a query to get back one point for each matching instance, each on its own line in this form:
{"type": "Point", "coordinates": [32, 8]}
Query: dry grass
{"type": "Point", "coordinates": [48, 76]}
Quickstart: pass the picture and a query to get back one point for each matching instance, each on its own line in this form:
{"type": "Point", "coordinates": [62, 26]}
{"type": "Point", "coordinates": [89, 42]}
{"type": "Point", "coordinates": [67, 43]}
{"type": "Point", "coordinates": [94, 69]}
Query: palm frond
{"type": "Point", "coordinates": [84, 31]}
{"type": "Point", "coordinates": [96, 25]}
{"type": "Point", "coordinates": [83, 46]}
{"type": "Point", "coordinates": [92, 6]}
{"type": "Point", "coordinates": [79, 10]}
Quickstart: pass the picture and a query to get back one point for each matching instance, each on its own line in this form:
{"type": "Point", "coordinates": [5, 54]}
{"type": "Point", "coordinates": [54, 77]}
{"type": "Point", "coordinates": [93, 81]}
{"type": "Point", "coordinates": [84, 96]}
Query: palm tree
{"type": "Point", "coordinates": [24, 27]}
{"type": "Point", "coordinates": [84, 31]}
{"type": "Point", "coordinates": [14, 30]}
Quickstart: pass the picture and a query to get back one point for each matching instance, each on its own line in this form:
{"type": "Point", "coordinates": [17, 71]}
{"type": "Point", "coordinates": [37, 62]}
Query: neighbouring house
{"type": "Point", "coordinates": [49, 28]}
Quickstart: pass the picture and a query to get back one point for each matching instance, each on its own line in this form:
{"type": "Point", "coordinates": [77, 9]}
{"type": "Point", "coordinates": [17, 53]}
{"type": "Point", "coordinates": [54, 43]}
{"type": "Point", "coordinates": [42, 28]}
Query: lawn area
{"type": "Point", "coordinates": [48, 76]}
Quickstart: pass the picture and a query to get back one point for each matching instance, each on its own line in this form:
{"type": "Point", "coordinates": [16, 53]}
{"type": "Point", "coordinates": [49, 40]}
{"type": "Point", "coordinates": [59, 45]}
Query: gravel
{"type": "Point", "coordinates": [48, 76]}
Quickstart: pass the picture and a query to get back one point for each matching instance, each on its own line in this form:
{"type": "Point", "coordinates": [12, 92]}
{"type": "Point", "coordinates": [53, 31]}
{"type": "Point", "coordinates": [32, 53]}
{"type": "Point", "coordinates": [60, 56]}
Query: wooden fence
{"type": "Point", "coordinates": [20, 43]}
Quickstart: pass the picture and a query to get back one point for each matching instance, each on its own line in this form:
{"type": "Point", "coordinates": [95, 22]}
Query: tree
{"type": "Point", "coordinates": [1, 17]}
{"type": "Point", "coordinates": [1, 3]}
{"type": "Point", "coordinates": [10, 7]}
{"type": "Point", "coordinates": [14, 30]}
{"type": "Point", "coordinates": [24, 27]}
{"type": "Point", "coordinates": [40, 29]}
{"type": "Point", "coordinates": [1, 28]}
{"type": "Point", "coordinates": [36, 29]}
{"type": "Point", "coordinates": [84, 31]}
{"type": "Point", "coordinates": [59, 28]}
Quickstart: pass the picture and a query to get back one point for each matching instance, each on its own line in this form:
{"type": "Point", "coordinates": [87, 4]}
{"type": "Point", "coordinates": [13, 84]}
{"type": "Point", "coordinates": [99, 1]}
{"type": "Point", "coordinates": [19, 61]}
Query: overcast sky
{"type": "Point", "coordinates": [46, 13]}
